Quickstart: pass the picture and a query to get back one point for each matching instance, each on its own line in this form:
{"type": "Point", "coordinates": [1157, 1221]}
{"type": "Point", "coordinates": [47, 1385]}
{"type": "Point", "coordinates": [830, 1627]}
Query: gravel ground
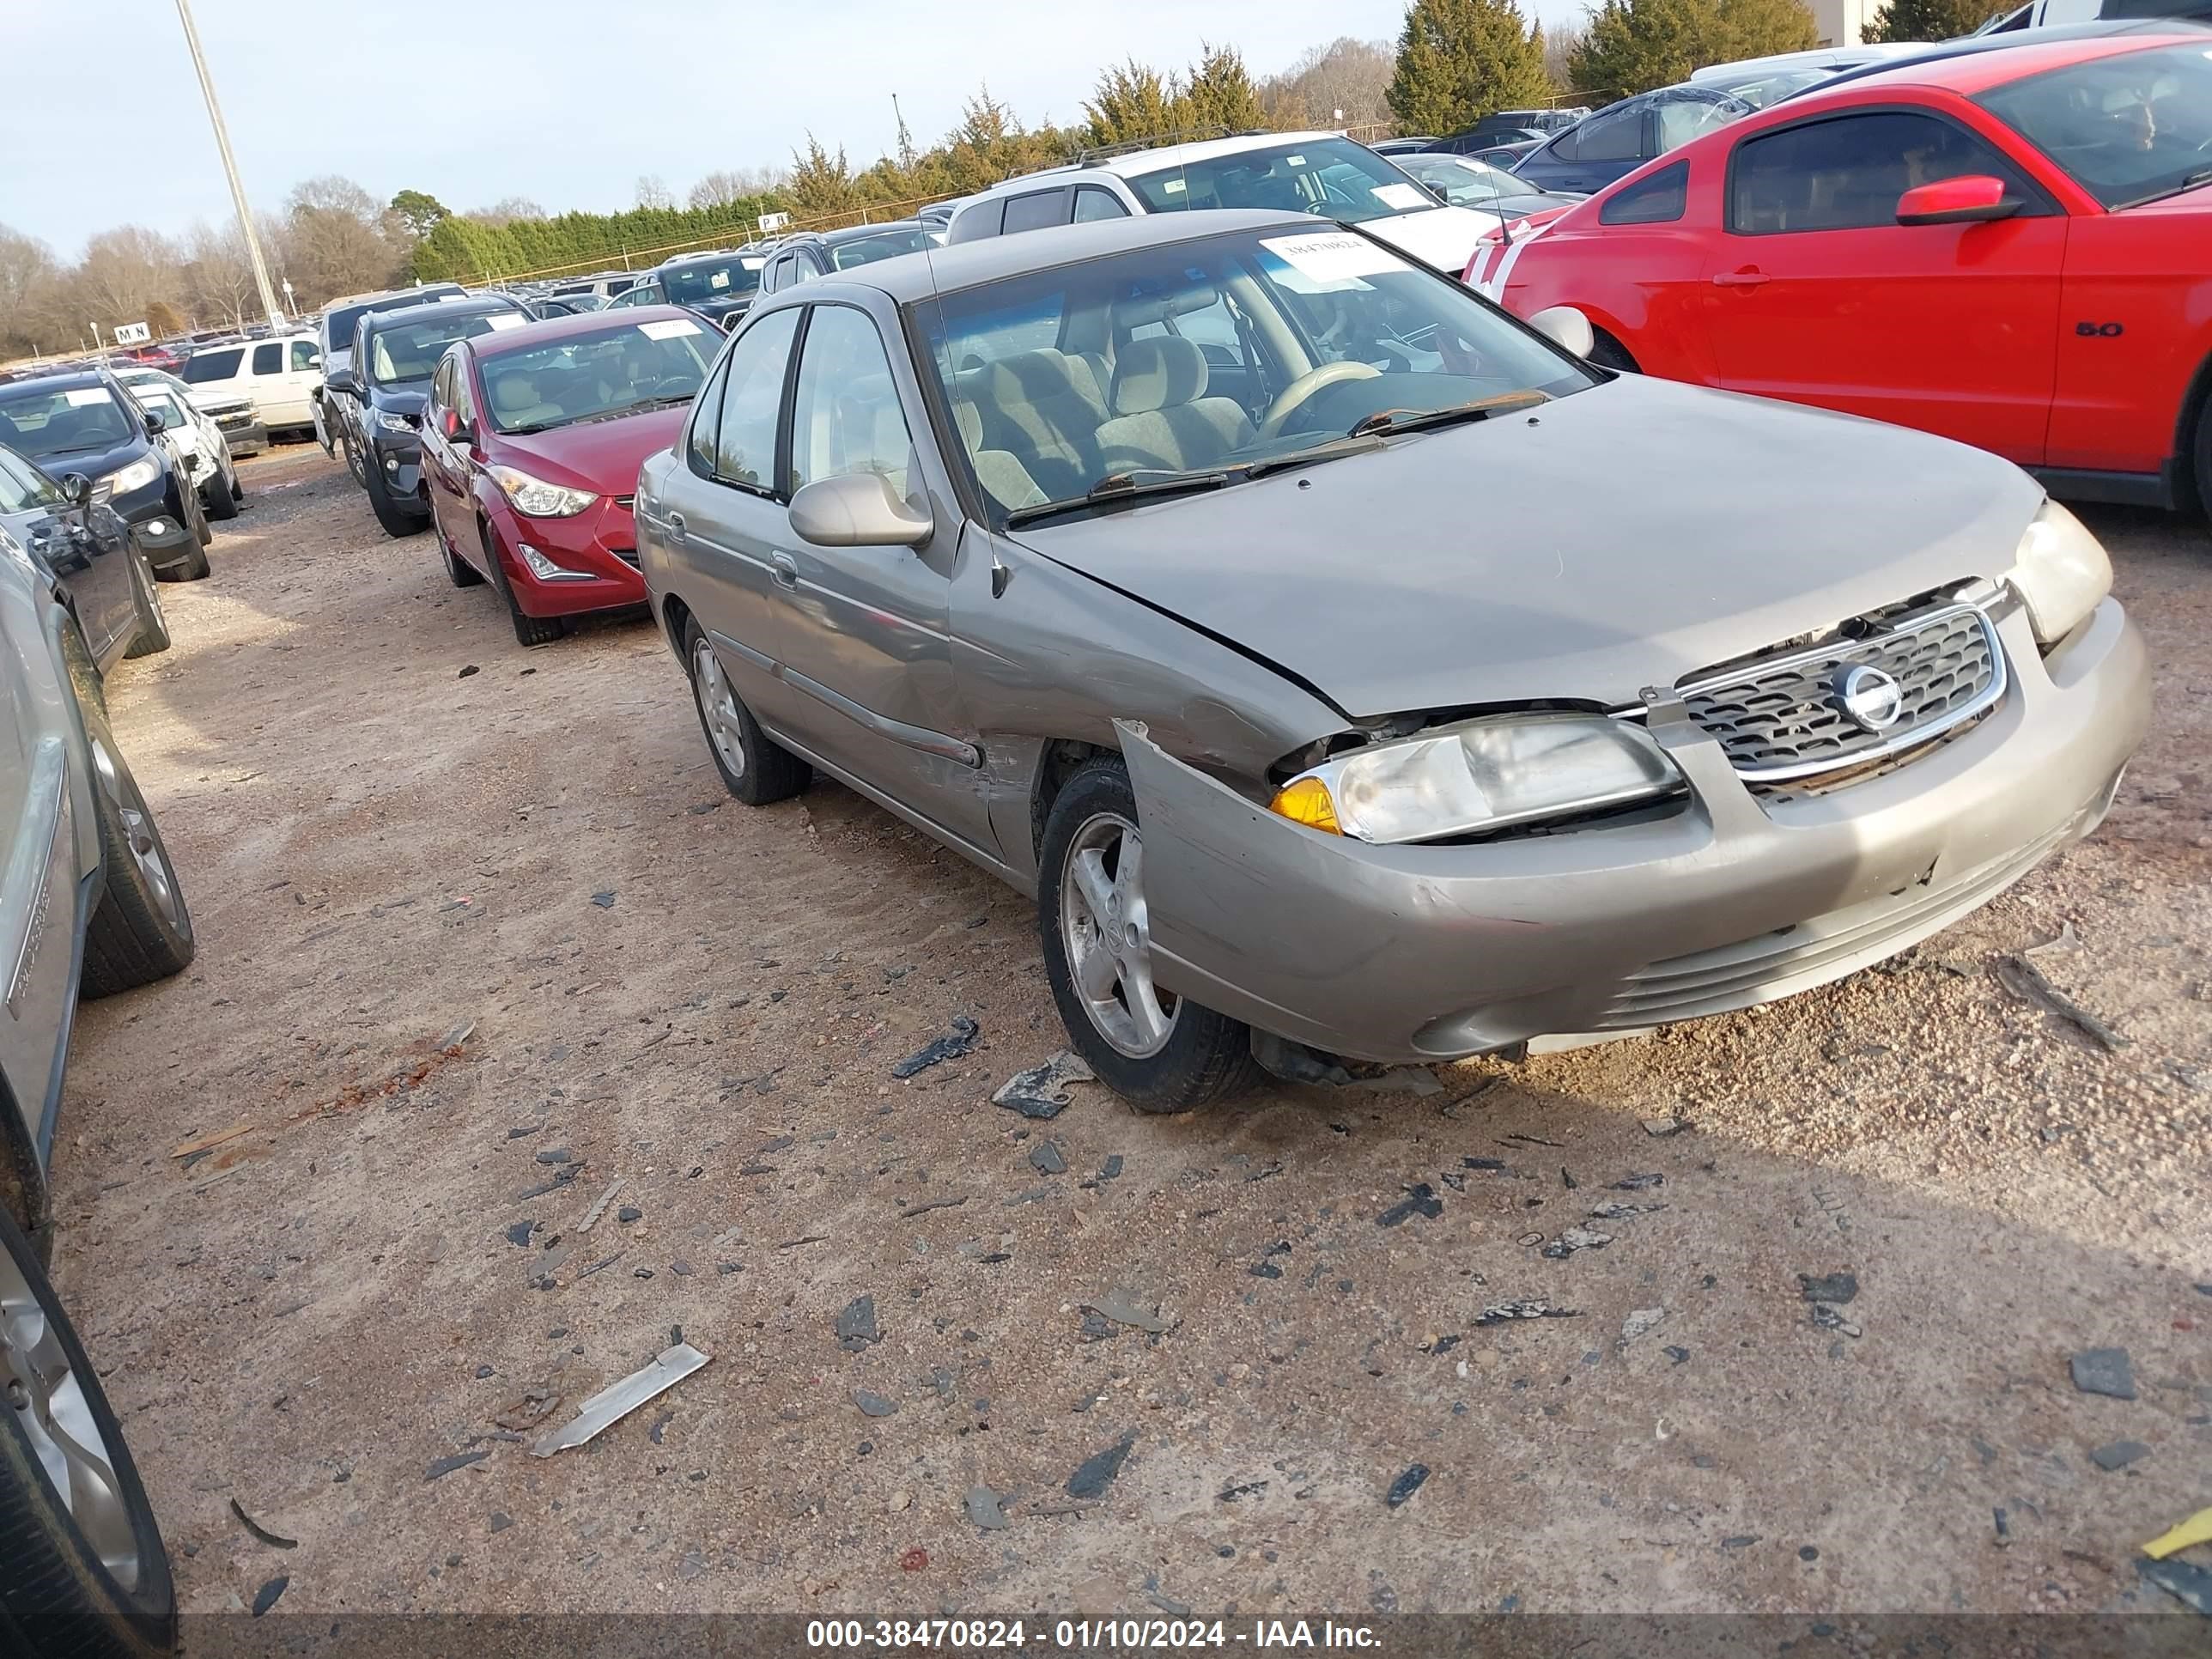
{"type": "Point", "coordinates": [394, 823]}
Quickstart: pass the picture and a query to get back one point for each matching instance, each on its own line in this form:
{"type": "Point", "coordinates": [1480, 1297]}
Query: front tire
{"type": "Point", "coordinates": [219, 500]}
{"type": "Point", "coordinates": [2203, 469]}
{"type": "Point", "coordinates": [458, 570]}
{"type": "Point", "coordinates": [1159, 1052]}
{"type": "Point", "coordinates": [87, 1575]}
{"type": "Point", "coordinates": [354, 464]}
{"type": "Point", "coordinates": [528, 631]}
{"type": "Point", "coordinates": [140, 931]}
{"type": "Point", "coordinates": [754, 768]}
{"type": "Point", "coordinates": [398, 517]}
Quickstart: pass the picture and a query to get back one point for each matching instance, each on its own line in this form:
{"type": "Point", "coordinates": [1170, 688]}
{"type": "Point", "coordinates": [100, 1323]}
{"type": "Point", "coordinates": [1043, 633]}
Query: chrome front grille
{"type": "Point", "coordinates": [1783, 717]}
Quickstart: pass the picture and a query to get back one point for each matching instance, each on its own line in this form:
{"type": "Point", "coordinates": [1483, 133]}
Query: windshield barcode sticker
{"type": "Point", "coordinates": [86, 397]}
{"type": "Point", "coordinates": [1405, 197]}
{"type": "Point", "coordinates": [1332, 256]}
{"type": "Point", "coordinates": [500, 319]}
{"type": "Point", "coordinates": [670, 328]}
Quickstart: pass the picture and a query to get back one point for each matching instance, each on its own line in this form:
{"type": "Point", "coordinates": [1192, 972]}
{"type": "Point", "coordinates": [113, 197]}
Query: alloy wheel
{"type": "Point", "coordinates": [146, 849]}
{"type": "Point", "coordinates": [1106, 929]}
{"type": "Point", "coordinates": [718, 708]}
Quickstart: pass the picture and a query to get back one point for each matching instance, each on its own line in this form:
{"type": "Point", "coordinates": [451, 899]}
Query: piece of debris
{"type": "Point", "coordinates": [1638, 1184]}
{"type": "Point", "coordinates": [1740, 1542]}
{"type": "Point", "coordinates": [599, 1206]}
{"type": "Point", "coordinates": [954, 1045]}
{"type": "Point", "coordinates": [605, 901]}
{"type": "Point", "coordinates": [1420, 1199]}
{"type": "Point", "coordinates": [1041, 1091]}
{"type": "Point", "coordinates": [1837, 1288]}
{"type": "Point", "coordinates": [266, 1596]}
{"type": "Point", "coordinates": [209, 1143]}
{"type": "Point", "coordinates": [1659, 1127]}
{"type": "Point", "coordinates": [2025, 980]}
{"type": "Point", "coordinates": [2190, 1585]}
{"type": "Point", "coordinates": [2118, 1455]}
{"type": "Point", "coordinates": [1832, 1319]}
{"type": "Point", "coordinates": [628, 1213]}
{"type": "Point", "coordinates": [527, 1413]}
{"type": "Point", "coordinates": [1405, 1486]}
{"type": "Point", "coordinates": [611, 1404]}
{"type": "Point", "coordinates": [556, 1154]}
{"type": "Point", "coordinates": [1497, 1313]}
{"type": "Point", "coordinates": [1096, 1472]}
{"type": "Point", "coordinates": [983, 1509]}
{"type": "Point", "coordinates": [1488, 1166]}
{"type": "Point", "coordinates": [1639, 1323]}
{"type": "Point", "coordinates": [1124, 1309]}
{"type": "Point", "coordinates": [519, 1234]}
{"type": "Point", "coordinates": [1614, 1210]}
{"type": "Point", "coordinates": [2065, 939]}
{"type": "Point", "coordinates": [2198, 1529]}
{"type": "Point", "coordinates": [927, 1205]}
{"type": "Point", "coordinates": [446, 1466]}
{"type": "Point", "coordinates": [856, 1324]}
{"type": "Point", "coordinates": [501, 1520]}
{"type": "Point", "coordinates": [913, 1560]}
{"type": "Point", "coordinates": [873, 1405]}
{"type": "Point", "coordinates": [1575, 1238]}
{"type": "Point", "coordinates": [2105, 1371]}
{"type": "Point", "coordinates": [1047, 1158]}
{"type": "Point", "coordinates": [274, 1540]}
{"type": "Point", "coordinates": [1230, 1494]}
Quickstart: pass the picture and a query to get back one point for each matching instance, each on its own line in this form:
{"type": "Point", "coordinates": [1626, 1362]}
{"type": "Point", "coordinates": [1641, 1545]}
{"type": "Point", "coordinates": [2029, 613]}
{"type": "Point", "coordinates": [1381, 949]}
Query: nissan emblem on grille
{"type": "Point", "coordinates": [1798, 713]}
{"type": "Point", "coordinates": [1871, 697]}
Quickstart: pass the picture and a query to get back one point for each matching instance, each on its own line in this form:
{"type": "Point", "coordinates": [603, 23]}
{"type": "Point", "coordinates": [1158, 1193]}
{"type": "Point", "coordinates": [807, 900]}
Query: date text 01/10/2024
{"type": "Point", "coordinates": [1080, 1635]}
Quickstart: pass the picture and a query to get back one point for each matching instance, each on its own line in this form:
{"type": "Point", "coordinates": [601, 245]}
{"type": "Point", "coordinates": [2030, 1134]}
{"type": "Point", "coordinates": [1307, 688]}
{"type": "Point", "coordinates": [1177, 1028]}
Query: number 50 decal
{"type": "Point", "coordinates": [2099, 330]}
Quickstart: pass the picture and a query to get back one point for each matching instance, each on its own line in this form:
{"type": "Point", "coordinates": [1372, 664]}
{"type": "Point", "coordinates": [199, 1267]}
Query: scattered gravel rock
{"type": "Point", "coordinates": [2118, 1455]}
{"type": "Point", "coordinates": [983, 1509]}
{"type": "Point", "coordinates": [1096, 1472]}
{"type": "Point", "coordinates": [2105, 1371]}
{"type": "Point", "coordinates": [856, 1324]}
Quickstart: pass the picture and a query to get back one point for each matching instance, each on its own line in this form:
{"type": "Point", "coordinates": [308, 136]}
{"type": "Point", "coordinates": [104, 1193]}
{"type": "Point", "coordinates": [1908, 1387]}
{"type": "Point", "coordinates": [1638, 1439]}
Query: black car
{"type": "Point", "coordinates": [86, 425]}
{"type": "Point", "coordinates": [88, 548]}
{"type": "Point", "coordinates": [719, 286]}
{"type": "Point", "coordinates": [1410, 145]}
{"type": "Point", "coordinates": [1621, 137]}
{"type": "Point", "coordinates": [338, 419]}
{"type": "Point", "coordinates": [388, 378]}
{"type": "Point", "coordinates": [1484, 135]}
{"type": "Point", "coordinates": [813, 254]}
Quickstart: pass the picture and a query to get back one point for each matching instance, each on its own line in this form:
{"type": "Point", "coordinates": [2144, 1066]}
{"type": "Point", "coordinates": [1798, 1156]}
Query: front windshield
{"type": "Point", "coordinates": [338, 325]}
{"type": "Point", "coordinates": [404, 353]}
{"type": "Point", "coordinates": [865, 250]}
{"type": "Point", "coordinates": [612, 371]}
{"type": "Point", "coordinates": [2128, 128]}
{"type": "Point", "coordinates": [1463, 182]}
{"type": "Point", "coordinates": [1213, 354]}
{"type": "Point", "coordinates": [1333, 177]}
{"type": "Point", "coordinates": [42, 423]}
{"type": "Point", "coordinates": [724, 279]}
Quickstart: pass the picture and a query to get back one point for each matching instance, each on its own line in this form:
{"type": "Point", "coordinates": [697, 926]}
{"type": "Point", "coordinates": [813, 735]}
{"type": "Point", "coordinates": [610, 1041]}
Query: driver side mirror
{"type": "Point", "coordinates": [155, 420]}
{"type": "Point", "coordinates": [77, 488]}
{"type": "Point", "coordinates": [857, 509]}
{"type": "Point", "coordinates": [1957, 201]}
{"type": "Point", "coordinates": [342, 380]}
{"type": "Point", "coordinates": [1563, 326]}
{"type": "Point", "coordinates": [457, 430]}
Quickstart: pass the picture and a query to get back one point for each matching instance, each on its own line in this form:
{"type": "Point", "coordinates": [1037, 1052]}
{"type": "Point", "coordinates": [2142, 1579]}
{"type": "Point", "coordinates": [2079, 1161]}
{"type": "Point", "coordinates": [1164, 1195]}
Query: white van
{"type": "Point", "coordinates": [280, 374]}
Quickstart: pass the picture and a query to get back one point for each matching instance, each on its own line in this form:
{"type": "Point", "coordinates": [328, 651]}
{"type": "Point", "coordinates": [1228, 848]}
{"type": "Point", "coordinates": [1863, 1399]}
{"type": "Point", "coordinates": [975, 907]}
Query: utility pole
{"type": "Point", "coordinates": [230, 170]}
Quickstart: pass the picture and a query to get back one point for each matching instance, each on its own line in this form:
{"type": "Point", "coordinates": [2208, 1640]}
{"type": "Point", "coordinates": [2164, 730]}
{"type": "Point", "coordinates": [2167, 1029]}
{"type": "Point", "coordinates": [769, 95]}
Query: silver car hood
{"type": "Point", "coordinates": [1623, 537]}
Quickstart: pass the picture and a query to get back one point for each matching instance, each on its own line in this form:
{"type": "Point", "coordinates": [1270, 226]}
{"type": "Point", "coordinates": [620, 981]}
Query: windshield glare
{"type": "Point", "coordinates": [865, 250]}
{"type": "Point", "coordinates": [338, 325]}
{"type": "Point", "coordinates": [1333, 177]}
{"type": "Point", "coordinates": [408, 352]}
{"type": "Point", "coordinates": [630, 367]}
{"type": "Point", "coordinates": [202, 367]}
{"type": "Point", "coordinates": [2127, 128]}
{"type": "Point", "coordinates": [1462, 182]}
{"type": "Point", "coordinates": [40, 423]}
{"type": "Point", "coordinates": [726, 279]}
{"type": "Point", "coordinates": [1212, 354]}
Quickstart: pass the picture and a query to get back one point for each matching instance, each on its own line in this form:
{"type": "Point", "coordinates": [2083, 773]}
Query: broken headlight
{"type": "Point", "coordinates": [2060, 571]}
{"type": "Point", "coordinates": [1480, 776]}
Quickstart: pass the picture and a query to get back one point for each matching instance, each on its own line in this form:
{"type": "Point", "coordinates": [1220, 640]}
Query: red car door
{"type": "Point", "coordinates": [1819, 295]}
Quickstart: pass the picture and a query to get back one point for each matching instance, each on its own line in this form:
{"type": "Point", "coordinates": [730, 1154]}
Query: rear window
{"type": "Point", "coordinates": [204, 366]}
{"type": "Point", "coordinates": [1654, 201]}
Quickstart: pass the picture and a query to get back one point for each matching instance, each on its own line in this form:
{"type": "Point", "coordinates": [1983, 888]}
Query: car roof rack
{"type": "Point", "coordinates": [1155, 141]}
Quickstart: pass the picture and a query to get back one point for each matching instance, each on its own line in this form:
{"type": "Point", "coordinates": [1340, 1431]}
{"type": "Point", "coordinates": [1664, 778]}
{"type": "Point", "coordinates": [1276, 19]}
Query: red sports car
{"type": "Point", "coordinates": [531, 440]}
{"type": "Point", "coordinates": [2012, 247]}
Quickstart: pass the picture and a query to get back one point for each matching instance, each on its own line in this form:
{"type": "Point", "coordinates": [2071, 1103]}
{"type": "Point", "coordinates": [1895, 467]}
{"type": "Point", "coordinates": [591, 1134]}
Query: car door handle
{"type": "Point", "coordinates": [674, 523]}
{"type": "Point", "coordinates": [1749, 277]}
{"type": "Point", "coordinates": [786, 570]}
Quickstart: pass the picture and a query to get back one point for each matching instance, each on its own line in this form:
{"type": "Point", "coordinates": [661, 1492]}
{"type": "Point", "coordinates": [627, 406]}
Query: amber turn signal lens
{"type": "Point", "coordinates": [1306, 801]}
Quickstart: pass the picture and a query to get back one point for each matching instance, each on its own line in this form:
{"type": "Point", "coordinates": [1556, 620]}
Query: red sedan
{"type": "Point", "coordinates": [531, 440]}
{"type": "Point", "coordinates": [2012, 247]}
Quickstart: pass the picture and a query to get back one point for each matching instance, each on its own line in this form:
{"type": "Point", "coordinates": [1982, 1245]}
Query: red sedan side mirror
{"type": "Point", "coordinates": [1957, 201]}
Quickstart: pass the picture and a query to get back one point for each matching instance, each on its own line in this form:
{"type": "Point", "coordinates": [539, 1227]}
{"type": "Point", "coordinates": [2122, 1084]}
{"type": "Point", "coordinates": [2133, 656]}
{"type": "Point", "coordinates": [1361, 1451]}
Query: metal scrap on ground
{"type": "Point", "coordinates": [617, 1400]}
{"type": "Point", "coordinates": [2025, 980]}
{"type": "Point", "coordinates": [1041, 1091]}
{"type": "Point", "coordinates": [954, 1045]}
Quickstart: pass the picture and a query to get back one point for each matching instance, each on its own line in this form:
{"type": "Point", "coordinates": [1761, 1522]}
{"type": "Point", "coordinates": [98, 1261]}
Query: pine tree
{"type": "Point", "coordinates": [1460, 59]}
{"type": "Point", "coordinates": [1132, 101]}
{"type": "Point", "coordinates": [820, 183]}
{"type": "Point", "coordinates": [1929, 20]}
{"type": "Point", "coordinates": [1220, 93]}
{"type": "Point", "coordinates": [1633, 45]}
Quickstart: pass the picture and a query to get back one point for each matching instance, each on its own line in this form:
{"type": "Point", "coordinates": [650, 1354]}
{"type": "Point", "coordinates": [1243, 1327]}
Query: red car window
{"type": "Point", "coordinates": [1848, 172]}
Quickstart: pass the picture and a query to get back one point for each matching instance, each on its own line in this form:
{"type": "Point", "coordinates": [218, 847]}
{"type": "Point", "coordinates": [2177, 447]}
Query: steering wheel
{"type": "Point", "coordinates": [1295, 396]}
{"type": "Point", "coordinates": [676, 385]}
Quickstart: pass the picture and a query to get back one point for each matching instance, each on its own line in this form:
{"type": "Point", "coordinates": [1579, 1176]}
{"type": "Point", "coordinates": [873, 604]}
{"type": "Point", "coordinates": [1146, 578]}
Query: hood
{"type": "Point", "coordinates": [95, 464]}
{"type": "Point", "coordinates": [603, 456]}
{"type": "Point", "coordinates": [406, 400]}
{"type": "Point", "coordinates": [1630, 536]}
{"type": "Point", "coordinates": [1441, 236]}
{"type": "Point", "coordinates": [221, 403]}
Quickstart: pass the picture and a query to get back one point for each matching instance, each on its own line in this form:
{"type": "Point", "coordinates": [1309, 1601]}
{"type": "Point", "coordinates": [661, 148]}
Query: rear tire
{"type": "Point", "coordinates": [1202, 1057]}
{"type": "Point", "coordinates": [153, 622]}
{"type": "Point", "coordinates": [754, 768]}
{"type": "Point", "coordinates": [398, 517]}
{"type": "Point", "coordinates": [59, 1596]}
{"type": "Point", "coordinates": [140, 930]}
{"type": "Point", "coordinates": [1609, 353]}
{"type": "Point", "coordinates": [217, 501]}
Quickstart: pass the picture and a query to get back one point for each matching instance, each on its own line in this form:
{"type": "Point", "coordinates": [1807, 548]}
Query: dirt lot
{"type": "Point", "coordinates": [394, 822]}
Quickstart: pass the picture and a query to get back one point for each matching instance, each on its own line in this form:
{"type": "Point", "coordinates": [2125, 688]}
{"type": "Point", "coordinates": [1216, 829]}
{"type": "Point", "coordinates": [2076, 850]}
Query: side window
{"type": "Point", "coordinates": [441, 386]}
{"type": "Point", "coordinates": [974, 224]}
{"type": "Point", "coordinates": [464, 401]}
{"type": "Point", "coordinates": [1092, 202]}
{"type": "Point", "coordinates": [1847, 174]}
{"type": "Point", "coordinates": [1615, 137]}
{"type": "Point", "coordinates": [304, 355]}
{"type": "Point", "coordinates": [745, 444]}
{"type": "Point", "coordinates": [269, 359]}
{"type": "Point", "coordinates": [1036, 211]}
{"type": "Point", "coordinates": [705, 423]}
{"type": "Point", "coordinates": [845, 415]}
{"type": "Point", "coordinates": [1657, 200]}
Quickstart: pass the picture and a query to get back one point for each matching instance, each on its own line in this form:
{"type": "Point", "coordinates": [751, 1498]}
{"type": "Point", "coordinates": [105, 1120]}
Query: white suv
{"type": "Point", "coordinates": [280, 374]}
{"type": "Point", "coordinates": [1323, 173]}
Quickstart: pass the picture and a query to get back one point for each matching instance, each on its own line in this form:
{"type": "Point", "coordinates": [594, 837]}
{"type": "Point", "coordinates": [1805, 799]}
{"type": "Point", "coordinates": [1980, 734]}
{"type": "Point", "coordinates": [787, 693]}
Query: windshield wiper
{"type": "Point", "coordinates": [2193, 181]}
{"type": "Point", "coordinates": [1415, 420]}
{"type": "Point", "coordinates": [1122, 487]}
{"type": "Point", "coordinates": [1334, 449]}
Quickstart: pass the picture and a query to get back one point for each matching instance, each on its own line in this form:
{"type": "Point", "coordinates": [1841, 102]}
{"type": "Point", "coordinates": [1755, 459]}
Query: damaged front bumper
{"type": "Point", "coordinates": [1413, 952]}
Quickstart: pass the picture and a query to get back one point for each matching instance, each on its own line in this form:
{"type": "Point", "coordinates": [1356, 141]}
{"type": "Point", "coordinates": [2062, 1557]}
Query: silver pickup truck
{"type": "Point", "coordinates": [89, 905]}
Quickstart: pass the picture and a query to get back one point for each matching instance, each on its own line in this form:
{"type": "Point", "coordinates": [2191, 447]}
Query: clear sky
{"type": "Point", "coordinates": [564, 101]}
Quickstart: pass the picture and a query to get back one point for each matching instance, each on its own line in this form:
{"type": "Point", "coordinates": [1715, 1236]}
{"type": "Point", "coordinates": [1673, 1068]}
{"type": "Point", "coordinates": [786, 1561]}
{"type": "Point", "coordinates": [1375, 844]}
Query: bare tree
{"type": "Point", "coordinates": [506, 211]}
{"type": "Point", "coordinates": [733, 185]}
{"type": "Point", "coordinates": [1346, 75]}
{"type": "Point", "coordinates": [1561, 40]}
{"type": "Point", "coordinates": [337, 238]}
{"type": "Point", "coordinates": [218, 275]}
{"type": "Point", "coordinates": [652, 191]}
{"type": "Point", "coordinates": [124, 271]}
{"type": "Point", "coordinates": [32, 308]}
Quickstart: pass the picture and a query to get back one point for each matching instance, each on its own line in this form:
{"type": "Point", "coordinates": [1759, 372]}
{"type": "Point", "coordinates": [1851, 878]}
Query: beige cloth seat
{"type": "Point", "coordinates": [1003, 476]}
{"type": "Point", "coordinates": [515, 400]}
{"type": "Point", "coordinates": [1162, 416]}
{"type": "Point", "coordinates": [1043, 408]}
